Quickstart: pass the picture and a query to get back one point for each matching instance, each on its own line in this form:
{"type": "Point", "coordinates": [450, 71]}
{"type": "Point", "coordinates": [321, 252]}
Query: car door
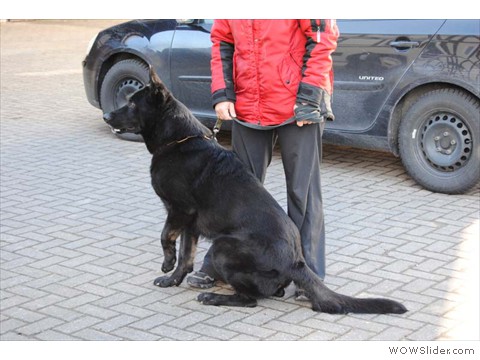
{"type": "Point", "coordinates": [190, 66]}
{"type": "Point", "coordinates": [371, 57]}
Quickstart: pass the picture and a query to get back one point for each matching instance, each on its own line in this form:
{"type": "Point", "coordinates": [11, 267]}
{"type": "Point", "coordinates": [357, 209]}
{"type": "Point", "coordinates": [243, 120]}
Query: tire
{"type": "Point", "coordinates": [439, 141]}
{"type": "Point", "coordinates": [122, 80]}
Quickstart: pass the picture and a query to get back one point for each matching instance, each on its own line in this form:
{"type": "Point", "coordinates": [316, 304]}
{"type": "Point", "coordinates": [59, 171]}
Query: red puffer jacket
{"type": "Point", "coordinates": [266, 66]}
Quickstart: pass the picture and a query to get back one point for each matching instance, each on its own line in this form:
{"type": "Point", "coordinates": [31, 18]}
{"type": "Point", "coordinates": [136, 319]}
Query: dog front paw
{"type": "Point", "coordinates": [169, 263]}
{"type": "Point", "coordinates": [166, 281]}
{"type": "Point", "coordinates": [168, 266]}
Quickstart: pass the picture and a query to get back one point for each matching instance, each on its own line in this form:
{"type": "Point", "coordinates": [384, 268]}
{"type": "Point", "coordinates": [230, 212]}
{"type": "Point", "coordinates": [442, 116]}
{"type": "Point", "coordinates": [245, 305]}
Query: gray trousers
{"type": "Point", "coordinates": [301, 150]}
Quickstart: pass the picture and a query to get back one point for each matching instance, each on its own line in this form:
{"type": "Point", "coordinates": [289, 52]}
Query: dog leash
{"type": "Point", "coordinates": [302, 112]}
{"type": "Point", "coordinates": [216, 128]}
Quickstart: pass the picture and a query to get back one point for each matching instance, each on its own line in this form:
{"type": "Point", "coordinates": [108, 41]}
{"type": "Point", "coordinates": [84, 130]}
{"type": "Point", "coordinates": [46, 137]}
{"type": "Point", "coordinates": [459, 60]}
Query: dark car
{"type": "Point", "coordinates": [410, 87]}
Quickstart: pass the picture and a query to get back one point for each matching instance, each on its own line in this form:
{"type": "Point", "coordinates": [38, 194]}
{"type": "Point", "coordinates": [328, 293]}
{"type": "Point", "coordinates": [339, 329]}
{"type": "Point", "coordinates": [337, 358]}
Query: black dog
{"type": "Point", "coordinates": [207, 191]}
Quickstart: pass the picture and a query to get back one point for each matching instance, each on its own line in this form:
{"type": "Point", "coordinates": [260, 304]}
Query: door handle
{"type": "Point", "coordinates": [404, 44]}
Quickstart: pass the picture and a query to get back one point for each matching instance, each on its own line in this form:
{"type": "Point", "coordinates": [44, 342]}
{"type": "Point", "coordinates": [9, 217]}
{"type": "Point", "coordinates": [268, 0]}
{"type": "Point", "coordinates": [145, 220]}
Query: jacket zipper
{"type": "Point", "coordinates": [319, 27]}
{"type": "Point", "coordinates": [255, 46]}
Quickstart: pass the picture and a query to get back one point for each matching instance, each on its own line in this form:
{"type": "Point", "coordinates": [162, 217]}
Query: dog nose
{"type": "Point", "coordinates": [107, 117]}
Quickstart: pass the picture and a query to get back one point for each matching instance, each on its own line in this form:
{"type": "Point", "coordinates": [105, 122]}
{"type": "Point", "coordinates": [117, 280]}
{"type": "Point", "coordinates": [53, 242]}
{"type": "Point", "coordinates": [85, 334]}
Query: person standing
{"type": "Point", "coordinates": [265, 74]}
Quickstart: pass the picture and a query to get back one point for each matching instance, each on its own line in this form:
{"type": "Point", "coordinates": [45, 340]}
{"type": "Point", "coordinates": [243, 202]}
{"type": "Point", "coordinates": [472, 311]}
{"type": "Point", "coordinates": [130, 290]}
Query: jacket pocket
{"type": "Point", "coordinates": [290, 73]}
{"type": "Point", "coordinates": [242, 74]}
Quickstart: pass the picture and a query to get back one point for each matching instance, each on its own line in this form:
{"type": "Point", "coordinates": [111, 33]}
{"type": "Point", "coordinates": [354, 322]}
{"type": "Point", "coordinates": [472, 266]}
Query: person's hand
{"type": "Point", "coordinates": [225, 110]}
{"type": "Point", "coordinates": [302, 122]}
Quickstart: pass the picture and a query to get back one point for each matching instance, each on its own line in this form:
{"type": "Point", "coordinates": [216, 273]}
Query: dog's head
{"type": "Point", "coordinates": [140, 108]}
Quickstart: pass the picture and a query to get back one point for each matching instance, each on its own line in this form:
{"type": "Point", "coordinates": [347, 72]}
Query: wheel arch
{"type": "Point", "coordinates": [404, 103]}
{"type": "Point", "coordinates": [110, 62]}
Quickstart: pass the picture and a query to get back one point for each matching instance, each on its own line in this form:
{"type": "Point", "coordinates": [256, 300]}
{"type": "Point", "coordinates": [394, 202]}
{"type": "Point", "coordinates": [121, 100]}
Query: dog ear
{"type": "Point", "coordinates": [154, 78]}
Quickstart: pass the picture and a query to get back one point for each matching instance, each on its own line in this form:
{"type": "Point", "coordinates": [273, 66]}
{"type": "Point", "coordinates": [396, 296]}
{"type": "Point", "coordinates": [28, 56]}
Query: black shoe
{"type": "Point", "coordinates": [200, 280]}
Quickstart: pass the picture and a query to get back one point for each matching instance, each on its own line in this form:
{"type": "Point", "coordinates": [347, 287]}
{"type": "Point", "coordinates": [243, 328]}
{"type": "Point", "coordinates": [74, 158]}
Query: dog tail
{"type": "Point", "coordinates": [325, 300]}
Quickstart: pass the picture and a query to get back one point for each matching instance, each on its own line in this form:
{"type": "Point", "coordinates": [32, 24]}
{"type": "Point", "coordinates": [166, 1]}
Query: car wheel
{"type": "Point", "coordinates": [122, 80]}
{"type": "Point", "coordinates": [439, 141]}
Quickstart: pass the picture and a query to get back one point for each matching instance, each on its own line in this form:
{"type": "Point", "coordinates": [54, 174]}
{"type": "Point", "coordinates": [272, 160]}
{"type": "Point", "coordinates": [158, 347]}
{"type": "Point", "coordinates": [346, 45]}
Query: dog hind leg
{"type": "Point", "coordinates": [246, 269]}
{"type": "Point", "coordinates": [227, 300]}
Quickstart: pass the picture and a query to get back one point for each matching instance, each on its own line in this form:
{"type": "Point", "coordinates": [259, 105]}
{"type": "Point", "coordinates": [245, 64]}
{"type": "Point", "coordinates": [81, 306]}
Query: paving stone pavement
{"type": "Point", "coordinates": [80, 227]}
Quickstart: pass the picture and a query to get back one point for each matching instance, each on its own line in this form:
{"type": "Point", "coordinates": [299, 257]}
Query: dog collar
{"type": "Point", "coordinates": [206, 137]}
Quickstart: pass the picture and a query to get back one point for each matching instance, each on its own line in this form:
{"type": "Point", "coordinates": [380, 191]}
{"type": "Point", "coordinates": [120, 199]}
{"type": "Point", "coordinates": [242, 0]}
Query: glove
{"type": "Point", "coordinates": [308, 112]}
{"type": "Point", "coordinates": [317, 98]}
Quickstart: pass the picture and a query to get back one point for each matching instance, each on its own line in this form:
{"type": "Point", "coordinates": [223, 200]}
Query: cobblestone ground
{"type": "Point", "coordinates": [80, 227]}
